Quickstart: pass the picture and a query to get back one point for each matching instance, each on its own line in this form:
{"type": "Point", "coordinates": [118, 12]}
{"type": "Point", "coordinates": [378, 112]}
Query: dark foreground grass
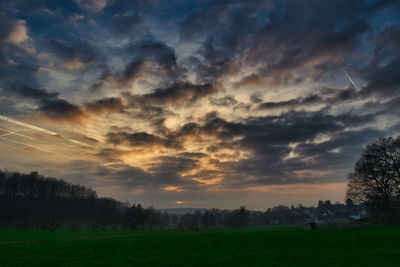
{"type": "Point", "coordinates": [374, 245]}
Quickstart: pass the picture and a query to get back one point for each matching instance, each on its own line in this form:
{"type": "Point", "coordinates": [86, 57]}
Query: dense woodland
{"type": "Point", "coordinates": [31, 200]}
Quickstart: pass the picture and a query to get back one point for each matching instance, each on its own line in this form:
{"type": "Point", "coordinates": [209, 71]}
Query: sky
{"type": "Point", "coordinates": [202, 103]}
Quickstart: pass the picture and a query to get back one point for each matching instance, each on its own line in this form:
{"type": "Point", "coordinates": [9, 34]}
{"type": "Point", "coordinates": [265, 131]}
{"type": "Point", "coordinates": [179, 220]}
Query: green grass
{"type": "Point", "coordinates": [374, 245]}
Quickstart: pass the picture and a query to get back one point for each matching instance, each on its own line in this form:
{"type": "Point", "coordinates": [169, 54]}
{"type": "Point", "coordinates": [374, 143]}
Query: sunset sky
{"type": "Point", "coordinates": [200, 103]}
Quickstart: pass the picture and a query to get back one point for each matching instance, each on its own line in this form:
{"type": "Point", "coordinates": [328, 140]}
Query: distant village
{"type": "Point", "coordinates": [324, 213]}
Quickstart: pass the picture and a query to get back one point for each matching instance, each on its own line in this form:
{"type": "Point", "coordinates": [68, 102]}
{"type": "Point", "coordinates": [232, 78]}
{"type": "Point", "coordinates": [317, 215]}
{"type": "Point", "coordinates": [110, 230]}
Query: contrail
{"type": "Point", "coordinates": [38, 148]}
{"type": "Point", "coordinates": [23, 124]}
{"type": "Point", "coordinates": [79, 142]}
{"type": "Point", "coordinates": [29, 126]}
{"type": "Point", "coordinates": [35, 147]}
{"type": "Point", "coordinates": [9, 133]}
{"type": "Point", "coordinates": [348, 76]}
{"type": "Point", "coordinates": [14, 133]}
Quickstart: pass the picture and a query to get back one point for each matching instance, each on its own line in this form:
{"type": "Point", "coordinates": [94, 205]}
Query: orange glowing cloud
{"type": "Point", "coordinates": [19, 32]}
{"type": "Point", "coordinates": [173, 188]}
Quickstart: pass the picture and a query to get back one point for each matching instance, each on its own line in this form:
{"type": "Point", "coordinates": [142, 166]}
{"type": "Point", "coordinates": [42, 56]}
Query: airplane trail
{"type": "Point", "coordinates": [14, 133]}
{"type": "Point", "coordinates": [29, 126]}
{"type": "Point", "coordinates": [18, 147]}
{"type": "Point", "coordinates": [26, 125]}
{"type": "Point", "coordinates": [79, 143]}
{"type": "Point", "coordinates": [351, 80]}
{"type": "Point", "coordinates": [9, 133]}
{"type": "Point", "coordinates": [35, 147]}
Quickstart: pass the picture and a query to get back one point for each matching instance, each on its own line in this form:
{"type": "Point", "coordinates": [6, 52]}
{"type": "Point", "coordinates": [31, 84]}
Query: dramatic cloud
{"type": "Point", "coordinates": [62, 111]}
{"type": "Point", "coordinates": [385, 80]}
{"type": "Point", "coordinates": [198, 100]}
{"type": "Point", "coordinates": [180, 93]}
{"type": "Point", "coordinates": [111, 104]}
{"type": "Point", "coordinates": [35, 93]}
{"type": "Point", "coordinates": [183, 93]}
{"type": "Point", "coordinates": [140, 139]}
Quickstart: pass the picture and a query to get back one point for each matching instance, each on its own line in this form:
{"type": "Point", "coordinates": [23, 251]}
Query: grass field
{"type": "Point", "coordinates": [374, 245]}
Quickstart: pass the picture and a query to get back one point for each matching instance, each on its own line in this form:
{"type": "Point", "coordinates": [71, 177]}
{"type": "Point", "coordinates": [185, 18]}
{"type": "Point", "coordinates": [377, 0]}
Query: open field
{"type": "Point", "coordinates": [374, 245]}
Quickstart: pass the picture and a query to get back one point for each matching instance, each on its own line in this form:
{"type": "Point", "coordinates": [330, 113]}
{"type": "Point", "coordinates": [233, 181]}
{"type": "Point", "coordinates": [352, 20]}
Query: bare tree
{"type": "Point", "coordinates": [375, 181]}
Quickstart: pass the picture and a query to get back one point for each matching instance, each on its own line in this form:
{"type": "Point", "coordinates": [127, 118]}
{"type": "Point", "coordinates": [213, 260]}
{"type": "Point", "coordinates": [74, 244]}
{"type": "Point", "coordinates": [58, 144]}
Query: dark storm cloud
{"type": "Point", "coordinates": [183, 93]}
{"type": "Point", "coordinates": [385, 80]}
{"type": "Point", "coordinates": [342, 140]}
{"type": "Point", "coordinates": [36, 93]}
{"type": "Point", "coordinates": [258, 132]}
{"type": "Point", "coordinates": [289, 128]}
{"type": "Point", "coordinates": [62, 111]}
{"type": "Point", "coordinates": [329, 97]}
{"type": "Point", "coordinates": [109, 105]}
{"type": "Point", "coordinates": [271, 147]}
{"type": "Point", "coordinates": [309, 100]}
{"type": "Point", "coordinates": [283, 129]}
{"type": "Point", "coordinates": [343, 95]}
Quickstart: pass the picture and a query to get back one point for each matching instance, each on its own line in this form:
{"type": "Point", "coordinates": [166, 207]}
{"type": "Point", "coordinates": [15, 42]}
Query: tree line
{"type": "Point", "coordinates": [32, 200]}
{"type": "Point", "coordinates": [37, 201]}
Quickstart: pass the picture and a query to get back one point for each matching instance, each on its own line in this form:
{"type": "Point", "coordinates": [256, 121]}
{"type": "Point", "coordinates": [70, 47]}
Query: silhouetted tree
{"type": "Point", "coordinates": [191, 221]}
{"type": "Point", "coordinates": [238, 218]}
{"type": "Point", "coordinates": [208, 219]}
{"type": "Point", "coordinates": [375, 181]}
{"type": "Point", "coordinates": [349, 203]}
